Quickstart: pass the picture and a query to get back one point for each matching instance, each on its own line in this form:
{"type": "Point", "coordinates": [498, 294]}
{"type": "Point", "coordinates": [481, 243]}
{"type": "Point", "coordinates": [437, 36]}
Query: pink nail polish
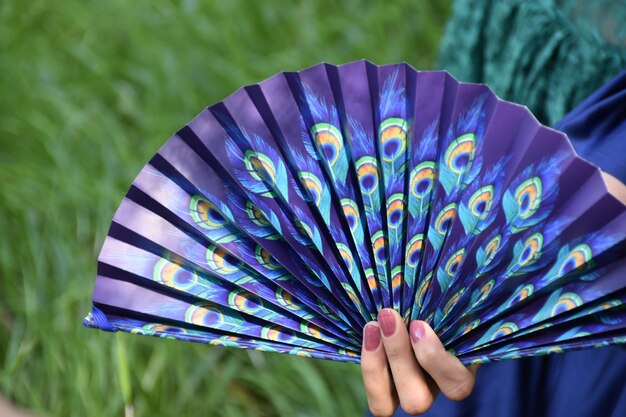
{"type": "Point", "coordinates": [416, 330]}
{"type": "Point", "coordinates": [387, 320]}
{"type": "Point", "coordinates": [371, 337]}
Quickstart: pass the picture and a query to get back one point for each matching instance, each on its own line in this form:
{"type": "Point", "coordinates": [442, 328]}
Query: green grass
{"type": "Point", "coordinates": [88, 92]}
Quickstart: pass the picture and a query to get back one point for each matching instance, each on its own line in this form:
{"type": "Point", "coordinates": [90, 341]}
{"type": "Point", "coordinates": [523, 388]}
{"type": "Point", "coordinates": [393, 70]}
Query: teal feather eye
{"type": "Point", "coordinates": [313, 185]}
{"type": "Point", "coordinates": [287, 300]}
{"type": "Point", "coordinates": [277, 333]}
{"type": "Point", "coordinates": [414, 250]}
{"type": "Point", "coordinates": [346, 255]}
{"type": "Point", "coordinates": [444, 219]}
{"type": "Point", "coordinates": [484, 292]}
{"type": "Point", "coordinates": [299, 352]}
{"type": "Point", "coordinates": [352, 295]}
{"type": "Point", "coordinates": [260, 166]}
{"type": "Point", "coordinates": [304, 230]}
{"type": "Point", "coordinates": [481, 201]}
{"type": "Point", "coordinates": [226, 341]}
{"type": "Point", "coordinates": [395, 210]}
{"type": "Point", "coordinates": [531, 250]}
{"type": "Point", "coordinates": [454, 262]}
{"type": "Point", "coordinates": [392, 134]}
{"type": "Point", "coordinates": [314, 331]}
{"type": "Point", "coordinates": [205, 214]}
{"type": "Point", "coordinates": [144, 330]}
{"type": "Point", "coordinates": [578, 257]}
{"type": "Point", "coordinates": [166, 331]}
{"type": "Point", "coordinates": [329, 140]}
{"type": "Point", "coordinates": [528, 197]}
{"type": "Point", "coordinates": [256, 215]}
{"type": "Point", "coordinates": [524, 292]}
{"type": "Point", "coordinates": [351, 211]}
{"type": "Point", "coordinates": [349, 352]}
{"type": "Point", "coordinates": [504, 330]}
{"type": "Point", "coordinates": [152, 328]}
{"type": "Point", "coordinates": [367, 172]}
{"type": "Point", "coordinates": [491, 249]}
{"type": "Point", "coordinates": [173, 275]}
{"type": "Point", "coordinates": [452, 301]}
{"type": "Point", "coordinates": [460, 154]}
{"type": "Point", "coordinates": [470, 326]}
{"type": "Point", "coordinates": [204, 314]}
{"type": "Point", "coordinates": [566, 302]}
{"type": "Point", "coordinates": [244, 301]}
{"type": "Point", "coordinates": [219, 260]}
{"type": "Point", "coordinates": [605, 306]}
{"type": "Point", "coordinates": [422, 180]}
{"type": "Point", "coordinates": [266, 259]}
{"type": "Point", "coordinates": [371, 280]}
{"type": "Point", "coordinates": [422, 289]}
{"type": "Point", "coordinates": [379, 243]}
{"type": "Point", "coordinates": [396, 278]}
{"type": "Point", "coordinates": [265, 348]}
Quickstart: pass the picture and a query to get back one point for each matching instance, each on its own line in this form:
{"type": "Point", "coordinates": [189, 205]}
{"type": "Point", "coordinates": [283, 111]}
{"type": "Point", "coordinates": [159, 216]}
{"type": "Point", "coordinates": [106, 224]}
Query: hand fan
{"type": "Point", "coordinates": [283, 218]}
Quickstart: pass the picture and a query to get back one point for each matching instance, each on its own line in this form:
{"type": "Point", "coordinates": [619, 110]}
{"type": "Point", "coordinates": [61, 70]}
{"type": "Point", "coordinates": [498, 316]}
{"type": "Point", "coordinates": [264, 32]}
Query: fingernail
{"type": "Point", "coordinates": [387, 322]}
{"type": "Point", "coordinates": [416, 330]}
{"type": "Point", "coordinates": [372, 337]}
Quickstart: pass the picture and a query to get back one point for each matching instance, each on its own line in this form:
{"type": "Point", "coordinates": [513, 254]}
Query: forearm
{"type": "Point", "coordinates": [615, 187]}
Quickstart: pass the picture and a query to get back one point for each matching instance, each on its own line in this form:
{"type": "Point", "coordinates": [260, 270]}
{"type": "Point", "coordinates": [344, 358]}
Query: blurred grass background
{"type": "Point", "coordinates": [89, 90]}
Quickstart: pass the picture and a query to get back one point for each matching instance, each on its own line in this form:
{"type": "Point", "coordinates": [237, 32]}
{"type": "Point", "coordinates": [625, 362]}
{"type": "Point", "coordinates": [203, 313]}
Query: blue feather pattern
{"type": "Point", "coordinates": [477, 211]}
{"type": "Point", "coordinates": [325, 145]}
{"type": "Point", "coordinates": [249, 216]}
{"type": "Point", "coordinates": [203, 270]}
{"type": "Point", "coordinates": [313, 181]}
{"type": "Point", "coordinates": [422, 167]}
{"type": "Point", "coordinates": [461, 160]}
{"type": "Point", "coordinates": [260, 172]}
{"type": "Point", "coordinates": [369, 182]}
{"type": "Point", "coordinates": [324, 139]}
{"type": "Point", "coordinates": [260, 169]}
{"type": "Point", "coordinates": [531, 196]}
{"type": "Point", "coordinates": [459, 164]}
{"type": "Point", "coordinates": [315, 218]}
{"type": "Point", "coordinates": [393, 130]}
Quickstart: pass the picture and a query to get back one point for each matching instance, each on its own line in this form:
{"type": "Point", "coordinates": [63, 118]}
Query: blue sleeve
{"type": "Point", "coordinates": [597, 127]}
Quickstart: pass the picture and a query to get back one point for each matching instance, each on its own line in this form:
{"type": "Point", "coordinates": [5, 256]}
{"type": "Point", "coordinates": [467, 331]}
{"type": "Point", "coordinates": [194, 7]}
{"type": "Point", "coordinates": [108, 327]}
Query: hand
{"type": "Point", "coordinates": [409, 370]}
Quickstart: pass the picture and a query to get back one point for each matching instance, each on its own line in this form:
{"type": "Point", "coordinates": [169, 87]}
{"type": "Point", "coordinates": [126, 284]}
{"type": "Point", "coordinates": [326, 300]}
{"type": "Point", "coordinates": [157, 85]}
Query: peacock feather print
{"type": "Point", "coordinates": [285, 217]}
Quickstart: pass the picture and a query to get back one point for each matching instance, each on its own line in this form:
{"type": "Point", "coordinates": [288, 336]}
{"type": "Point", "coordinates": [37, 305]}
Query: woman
{"type": "Point", "coordinates": [411, 367]}
{"type": "Point", "coordinates": [548, 55]}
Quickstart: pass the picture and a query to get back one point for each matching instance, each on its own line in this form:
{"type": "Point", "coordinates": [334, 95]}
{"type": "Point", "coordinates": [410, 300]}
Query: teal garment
{"type": "Point", "coordinates": [548, 55]}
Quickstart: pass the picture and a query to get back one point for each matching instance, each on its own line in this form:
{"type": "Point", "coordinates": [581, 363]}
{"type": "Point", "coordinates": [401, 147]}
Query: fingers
{"type": "Point", "coordinates": [453, 378]}
{"type": "Point", "coordinates": [412, 387]}
{"type": "Point", "coordinates": [382, 399]}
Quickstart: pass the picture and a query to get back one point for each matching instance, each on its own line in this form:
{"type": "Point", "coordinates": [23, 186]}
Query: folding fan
{"type": "Point", "coordinates": [283, 218]}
